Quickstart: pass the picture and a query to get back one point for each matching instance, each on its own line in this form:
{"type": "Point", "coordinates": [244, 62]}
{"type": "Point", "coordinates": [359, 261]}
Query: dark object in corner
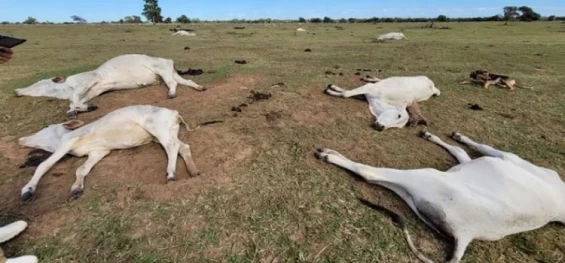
{"type": "Point", "coordinates": [242, 62]}
{"type": "Point", "coordinates": [307, 50]}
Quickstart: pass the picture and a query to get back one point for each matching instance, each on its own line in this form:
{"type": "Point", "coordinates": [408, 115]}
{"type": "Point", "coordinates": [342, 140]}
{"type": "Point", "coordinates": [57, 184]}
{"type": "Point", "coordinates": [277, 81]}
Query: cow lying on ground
{"type": "Point", "coordinates": [184, 33]}
{"type": "Point", "coordinates": [122, 72]}
{"type": "Point", "coordinates": [415, 115]}
{"type": "Point", "coordinates": [486, 199]}
{"type": "Point", "coordinates": [121, 129]}
{"type": "Point", "coordinates": [8, 232]}
{"type": "Point", "coordinates": [391, 36]}
{"type": "Point", "coordinates": [389, 98]}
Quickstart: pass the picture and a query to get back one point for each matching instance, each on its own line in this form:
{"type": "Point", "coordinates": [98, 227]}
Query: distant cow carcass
{"type": "Point", "coordinates": [184, 33]}
{"type": "Point", "coordinates": [124, 128]}
{"type": "Point", "coordinates": [122, 72]}
{"type": "Point", "coordinates": [391, 36]}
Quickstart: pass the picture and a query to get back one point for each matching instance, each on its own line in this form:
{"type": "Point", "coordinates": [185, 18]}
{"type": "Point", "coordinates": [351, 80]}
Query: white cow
{"type": "Point", "coordinates": [122, 72]}
{"type": "Point", "coordinates": [121, 129]}
{"type": "Point", "coordinates": [391, 36]}
{"type": "Point", "coordinates": [388, 98]}
{"type": "Point", "coordinates": [485, 199]}
{"type": "Point", "coordinates": [8, 232]}
{"type": "Point", "coordinates": [184, 33]}
{"type": "Point", "coordinates": [300, 29]}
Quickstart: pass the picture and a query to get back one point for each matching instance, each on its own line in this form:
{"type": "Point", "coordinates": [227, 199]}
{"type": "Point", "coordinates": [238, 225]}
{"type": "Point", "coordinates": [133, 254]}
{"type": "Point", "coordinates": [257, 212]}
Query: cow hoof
{"type": "Point", "coordinates": [321, 154]}
{"type": "Point", "coordinates": [27, 197]}
{"type": "Point", "coordinates": [170, 180]}
{"type": "Point", "coordinates": [203, 89]}
{"type": "Point", "coordinates": [71, 115]}
{"type": "Point", "coordinates": [195, 174]}
{"type": "Point", "coordinates": [425, 135]}
{"type": "Point", "coordinates": [75, 194]}
{"type": "Point", "coordinates": [92, 108]}
{"type": "Point", "coordinates": [171, 96]}
{"type": "Point", "coordinates": [456, 136]}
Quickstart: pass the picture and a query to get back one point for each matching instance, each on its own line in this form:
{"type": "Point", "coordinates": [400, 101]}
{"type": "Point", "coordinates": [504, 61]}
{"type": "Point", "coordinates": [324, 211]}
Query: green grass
{"type": "Point", "coordinates": [278, 204]}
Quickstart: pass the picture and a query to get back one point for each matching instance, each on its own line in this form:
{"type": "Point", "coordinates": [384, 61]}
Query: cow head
{"type": "Point", "coordinates": [391, 118]}
{"type": "Point", "coordinates": [49, 138]}
{"type": "Point", "coordinates": [55, 87]}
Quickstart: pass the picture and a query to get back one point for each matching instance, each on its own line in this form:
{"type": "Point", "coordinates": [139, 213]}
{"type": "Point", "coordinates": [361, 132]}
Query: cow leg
{"type": "Point", "coordinates": [461, 244]}
{"type": "Point", "coordinates": [457, 152]}
{"type": "Point", "coordinates": [339, 92]}
{"type": "Point", "coordinates": [482, 148]}
{"type": "Point", "coordinates": [381, 176]}
{"type": "Point", "coordinates": [370, 79]}
{"type": "Point", "coordinates": [186, 82]}
{"type": "Point", "coordinates": [186, 155]}
{"type": "Point", "coordinates": [29, 189]}
{"type": "Point", "coordinates": [93, 158]}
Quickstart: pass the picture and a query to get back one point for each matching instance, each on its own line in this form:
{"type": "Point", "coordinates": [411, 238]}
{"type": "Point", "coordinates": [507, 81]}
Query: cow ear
{"type": "Point", "coordinates": [72, 125]}
{"type": "Point", "coordinates": [58, 79]}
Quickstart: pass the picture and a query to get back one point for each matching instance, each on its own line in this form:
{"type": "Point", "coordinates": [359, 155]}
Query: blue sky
{"type": "Point", "coordinates": [100, 10]}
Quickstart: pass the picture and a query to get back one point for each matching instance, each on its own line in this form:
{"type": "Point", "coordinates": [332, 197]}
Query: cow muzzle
{"type": "Point", "coordinates": [377, 126]}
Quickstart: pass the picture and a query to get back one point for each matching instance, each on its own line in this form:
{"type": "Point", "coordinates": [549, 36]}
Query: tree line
{"type": "Point", "coordinates": [152, 13]}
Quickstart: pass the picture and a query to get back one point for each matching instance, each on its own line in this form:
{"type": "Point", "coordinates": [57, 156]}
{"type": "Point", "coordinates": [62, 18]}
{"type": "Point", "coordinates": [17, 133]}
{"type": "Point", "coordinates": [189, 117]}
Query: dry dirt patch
{"type": "Point", "coordinates": [217, 151]}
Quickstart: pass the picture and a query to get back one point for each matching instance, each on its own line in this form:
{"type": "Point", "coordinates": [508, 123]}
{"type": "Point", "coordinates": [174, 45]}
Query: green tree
{"type": "Point", "coordinates": [168, 20]}
{"type": "Point", "coordinates": [78, 19]}
{"type": "Point", "coordinates": [316, 20]}
{"type": "Point", "coordinates": [551, 18]}
{"type": "Point", "coordinates": [528, 14]}
{"type": "Point", "coordinates": [328, 20]}
{"type": "Point", "coordinates": [302, 20]}
{"type": "Point", "coordinates": [183, 19]}
{"type": "Point", "coordinates": [152, 11]}
{"type": "Point", "coordinates": [510, 13]}
{"type": "Point", "coordinates": [30, 21]}
{"type": "Point", "coordinates": [442, 18]}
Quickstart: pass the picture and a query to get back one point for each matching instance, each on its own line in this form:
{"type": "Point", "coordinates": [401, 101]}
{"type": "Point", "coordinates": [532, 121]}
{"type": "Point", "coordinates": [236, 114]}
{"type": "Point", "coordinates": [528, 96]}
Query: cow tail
{"type": "Point", "coordinates": [186, 124]}
{"type": "Point", "coordinates": [402, 224]}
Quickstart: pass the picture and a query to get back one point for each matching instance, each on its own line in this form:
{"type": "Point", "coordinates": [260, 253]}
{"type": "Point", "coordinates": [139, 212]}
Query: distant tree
{"type": "Point", "coordinates": [78, 19]}
{"type": "Point", "coordinates": [528, 14]}
{"type": "Point", "coordinates": [343, 20]}
{"type": "Point", "coordinates": [442, 18]}
{"type": "Point", "coordinates": [30, 21]}
{"type": "Point", "coordinates": [121, 21]}
{"type": "Point", "coordinates": [183, 19]}
{"type": "Point", "coordinates": [302, 20]}
{"type": "Point", "coordinates": [352, 20]}
{"type": "Point", "coordinates": [5, 22]}
{"type": "Point", "coordinates": [195, 20]}
{"type": "Point", "coordinates": [168, 20]}
{"type": "Point", "coordinates": [510, 13]}
{"type": "Point", "coordinates": [328, 20]}
{"type": "Point", "coordinates": [128, 19]}
{"type": "Point", "coordinates": [551, 18]}
{"type": "Point", "coordinates": [137, 19]}
{"type": "Point", "coordinates": [152, 11]}
{"type": "Point", "coordinates": [316, 20]}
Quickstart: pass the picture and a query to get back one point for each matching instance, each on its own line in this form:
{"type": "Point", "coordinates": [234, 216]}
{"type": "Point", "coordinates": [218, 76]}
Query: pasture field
{"type": "Point", "coordinates": [262, 196]}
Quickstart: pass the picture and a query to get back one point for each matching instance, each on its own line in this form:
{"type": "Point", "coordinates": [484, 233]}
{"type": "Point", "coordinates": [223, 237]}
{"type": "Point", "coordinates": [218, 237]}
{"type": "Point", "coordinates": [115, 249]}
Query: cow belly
{"type": "Point", "coordinates": [121, 137]}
